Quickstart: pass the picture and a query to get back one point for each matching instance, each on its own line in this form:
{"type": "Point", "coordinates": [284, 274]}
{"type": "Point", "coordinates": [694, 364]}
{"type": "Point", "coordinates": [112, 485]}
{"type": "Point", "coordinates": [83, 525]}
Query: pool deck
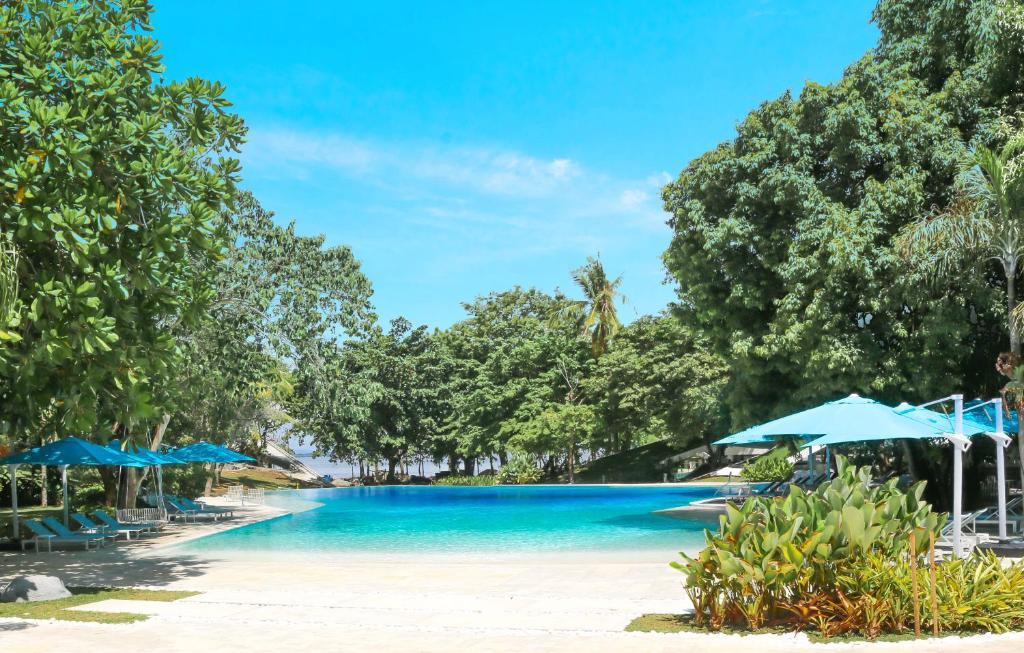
{"type": "Point", "coordinates": [385, 602]}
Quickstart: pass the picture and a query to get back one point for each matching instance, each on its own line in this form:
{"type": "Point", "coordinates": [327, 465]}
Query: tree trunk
{"type": "Point", "coordinates": [392, 465]}
{"type": "Point", "coordinates": [453, 464]}
{"type": "Point", "coordinates": [470, 466]}
{"type": "Point", "coordinates": [1011, 303]}
{"type": "Point", "coordinates": [44, 494]}
{"type": "Point", "coordinates": [572, 461]}
{"type": "Point", "coordinates": [109, 477]}
{"type": "Point", "coordinates": [908, 453]}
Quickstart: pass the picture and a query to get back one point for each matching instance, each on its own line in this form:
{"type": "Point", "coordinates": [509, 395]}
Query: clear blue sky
{"type": "Point", "coordinates": [465, 147]}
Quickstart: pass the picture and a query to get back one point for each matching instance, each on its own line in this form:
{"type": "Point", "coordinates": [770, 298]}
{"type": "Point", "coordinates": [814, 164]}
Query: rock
{"type": "Point", "coordinates": [34, 588]}
{"type": "Point", "coordinates": [340, 483]}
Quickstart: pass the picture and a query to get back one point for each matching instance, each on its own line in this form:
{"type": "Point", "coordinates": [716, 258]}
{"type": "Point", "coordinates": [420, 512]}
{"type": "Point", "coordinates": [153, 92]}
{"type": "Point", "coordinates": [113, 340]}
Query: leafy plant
{"type": "Point", "coordinates": [519, 470]}
{"type": "Point", "coordinates": [775, 560]}
{"type": "Point", "coordinates": [473, 481]}
{"type": "Point", "coordinates": [767, 469]}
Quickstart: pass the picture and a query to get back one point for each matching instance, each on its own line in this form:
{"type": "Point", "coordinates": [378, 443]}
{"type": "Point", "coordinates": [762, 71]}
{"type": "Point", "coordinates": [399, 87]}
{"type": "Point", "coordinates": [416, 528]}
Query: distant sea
{"type": "Point", "coordinates": [325, 467]}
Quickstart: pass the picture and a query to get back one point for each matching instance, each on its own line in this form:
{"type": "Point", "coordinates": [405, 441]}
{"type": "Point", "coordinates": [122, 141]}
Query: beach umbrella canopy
{"type": "Point", "coordinates": [986, 414]}
{"type": "Point", "coordinates": [69, 451]}
{"type": "Point", "coordinates": [206, 452]}
{"type": "Point", "coordinates": [73, 451]}
{"type": "Point", "coordinates": [850, 419]}
{"type": "Point", "coordinates": [904, 422]}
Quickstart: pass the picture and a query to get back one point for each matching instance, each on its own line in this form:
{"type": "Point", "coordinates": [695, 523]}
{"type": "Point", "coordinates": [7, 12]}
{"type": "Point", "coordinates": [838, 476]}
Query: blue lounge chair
{"type": "Point", "coordinates": [64, 531]}
{"type": "Point", "coordinates": [42, 534]}
{"type": "Point", "coordinates": [181, 509]}
{"type": "Point", "coordinates": [203, 508]}
{"type": "Point", "coordinates": [151, 526]}
{"type": "Point", "coordinates": [89, 526]}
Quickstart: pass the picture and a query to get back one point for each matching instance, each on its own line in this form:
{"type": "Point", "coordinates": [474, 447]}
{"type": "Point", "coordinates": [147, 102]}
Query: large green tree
{"type": "Point", "coordinates": [658, 380]}
{"type": "Point", "coordinates": [783, 238]}
{"type": "Point", "coordinates": [112, 182]}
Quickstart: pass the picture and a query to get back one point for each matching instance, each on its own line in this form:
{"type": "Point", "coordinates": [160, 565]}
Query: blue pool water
{"type": "Point", "coordinates": [485, 519]}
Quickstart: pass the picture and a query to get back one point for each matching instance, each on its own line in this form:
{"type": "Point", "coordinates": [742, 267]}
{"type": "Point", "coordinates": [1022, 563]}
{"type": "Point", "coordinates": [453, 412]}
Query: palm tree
{"type": "Point", "coordinates": [596, 316]}
{"type": "Point", "coordinates": [985, 222]}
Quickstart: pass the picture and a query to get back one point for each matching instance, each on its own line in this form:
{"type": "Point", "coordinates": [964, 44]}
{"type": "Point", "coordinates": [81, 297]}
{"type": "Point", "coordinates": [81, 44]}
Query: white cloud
{"type": "Point", "coordinates": [512, 203]}
{"type": "Point", "coordinates": [477, 169]}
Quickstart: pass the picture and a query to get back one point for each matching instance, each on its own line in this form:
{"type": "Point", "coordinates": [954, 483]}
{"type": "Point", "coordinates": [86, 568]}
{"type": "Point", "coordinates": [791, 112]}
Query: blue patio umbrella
{"type": "Point", "coordinates": [984, 412]}
{"type": "Point", "coordinates": [848, 419]}
{"type": "Point", "coordinates": [206, 452]}
{"type": "Point", "coordinates": [69, 451]}
{"type": "Point", "coordinates": [904, 422]}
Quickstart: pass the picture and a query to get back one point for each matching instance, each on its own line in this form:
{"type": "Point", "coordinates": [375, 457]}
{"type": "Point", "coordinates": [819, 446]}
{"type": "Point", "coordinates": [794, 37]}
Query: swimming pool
{"type": "Point", "coordinates": [408, 519]}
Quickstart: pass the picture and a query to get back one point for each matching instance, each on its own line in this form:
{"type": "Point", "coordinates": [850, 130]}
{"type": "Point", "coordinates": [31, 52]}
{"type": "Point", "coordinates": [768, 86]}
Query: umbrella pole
{"type": "Point", "coordinates": [958, 474]}
{"type": "Point", "coordinates": [67, 507]}
{"type": "Point", "coordinates": [160, 487]}
{"type": "Point", "coordinates": [14, 499]}
{"type": "Point", "coordinates": [1001, 442]}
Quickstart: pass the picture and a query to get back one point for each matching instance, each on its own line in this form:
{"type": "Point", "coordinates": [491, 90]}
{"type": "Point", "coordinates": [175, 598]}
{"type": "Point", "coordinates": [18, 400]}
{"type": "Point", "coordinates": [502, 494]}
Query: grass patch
{"type": "Point", "coordinates": [58, 608]}
{"type": "Point", "coordinates": [638, 465]}
{"type": "Point", "coordinates": [27, 512]}
{"type": "Point", "coordinates": [683, 623]}
{"type": "Point", "coordinates": [268, 479]}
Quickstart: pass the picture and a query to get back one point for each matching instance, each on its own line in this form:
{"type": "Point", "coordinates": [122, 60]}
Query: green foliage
{"type": "Point", "coordinates": [767, 469]}
{"type": "Point", "coordinates": [773, 558]}
{"type": "Point", "coordinates": [783, 241]}
{"type": "Point", "coordinates": [388, 389]}
{"type": "Point", "coordinates": [596, 317]}
{"type": "Point", "coordinates": [111, 183]}
{"type": "Point", "coordinates": [657, 380]}
{"type": "Point", "coordinates": [470, 481]}
{"type": "Point", "coordinates": [521, 469]}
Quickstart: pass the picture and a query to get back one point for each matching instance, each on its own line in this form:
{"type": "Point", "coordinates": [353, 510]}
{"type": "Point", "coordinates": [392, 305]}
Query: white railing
{"type": "Point", "coordinates": [253, 496]}
{"type": "Point", "coordinates": [136, 515]}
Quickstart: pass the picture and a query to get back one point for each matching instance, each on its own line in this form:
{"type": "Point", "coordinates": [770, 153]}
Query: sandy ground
{"type": "Point", "coordinates": [334, 602]}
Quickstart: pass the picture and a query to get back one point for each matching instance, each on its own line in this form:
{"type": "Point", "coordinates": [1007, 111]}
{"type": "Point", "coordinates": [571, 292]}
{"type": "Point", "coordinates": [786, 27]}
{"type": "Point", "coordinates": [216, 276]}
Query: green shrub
{"type": "Point", "coordinates": [475, 481]}
{"type": "Point", "coordinates": [91, 494]}
{"type": "Point", "coordinates": [776, 561]}
{"type": "Point", "coordinates": [519, 470]}
{"type": "Point", "coordinates": [767, 469]}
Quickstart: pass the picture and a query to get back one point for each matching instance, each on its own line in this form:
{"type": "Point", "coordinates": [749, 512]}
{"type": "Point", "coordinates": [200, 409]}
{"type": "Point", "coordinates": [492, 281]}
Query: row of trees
{"type": "Point", "coordinates": [527, 372]}
{"type": "Point", "coordinates": [143, 295]}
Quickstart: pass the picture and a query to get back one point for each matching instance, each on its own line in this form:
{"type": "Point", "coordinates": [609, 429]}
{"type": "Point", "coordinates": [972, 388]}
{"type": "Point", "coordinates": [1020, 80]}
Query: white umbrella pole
{"type": "Point", "coordinates": [1002, 441]}
{"type": "Point", "coordinates": [160, 488]}
{"type": "Point", "coordinates": [64, 480]}
{"type": "Point", "coordinates": [958, 472]}
{"type": "Point", "coordinates": [13, 469]}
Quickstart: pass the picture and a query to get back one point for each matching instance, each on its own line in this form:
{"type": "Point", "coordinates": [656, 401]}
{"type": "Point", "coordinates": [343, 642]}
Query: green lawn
{"type": "Point", "coordinates": [58, 608]}
{"type": "Point", "coordinates": [28, 512]}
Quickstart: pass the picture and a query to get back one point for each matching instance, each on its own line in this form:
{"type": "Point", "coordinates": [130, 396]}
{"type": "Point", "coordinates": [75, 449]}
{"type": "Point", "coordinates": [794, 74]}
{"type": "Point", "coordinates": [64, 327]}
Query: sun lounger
{"type": "Point", "coordinates": [64, 531]}
{"type": "Point", "coordinates": [990, 516]}
{"type": "Point", "coordinates": [113, 523]}
{"type": "Point", "coordinates": [176, 508]}
{"type": "Point", "coordinates": [40, 533]}
{"type": "Point", "coordinates": [89, 526]}
{"type": "Point", "coordinates": [188, 510]}
{"type": "Point", "coordinates": [204, 508]}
